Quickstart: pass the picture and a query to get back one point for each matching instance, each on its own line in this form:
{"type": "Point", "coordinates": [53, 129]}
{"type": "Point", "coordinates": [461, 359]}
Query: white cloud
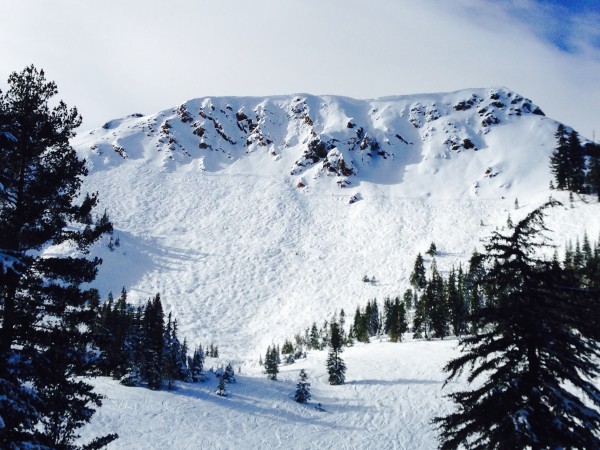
{"type": "Point", "coordinates": [112, 58]}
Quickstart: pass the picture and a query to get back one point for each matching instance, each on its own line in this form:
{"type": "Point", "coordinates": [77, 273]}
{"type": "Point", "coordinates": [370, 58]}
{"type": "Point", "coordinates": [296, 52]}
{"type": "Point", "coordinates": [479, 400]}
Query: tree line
{"type": "Point", "coordinates": [139, 345]}
{"type": "Point", "coordinates": [575, 167]}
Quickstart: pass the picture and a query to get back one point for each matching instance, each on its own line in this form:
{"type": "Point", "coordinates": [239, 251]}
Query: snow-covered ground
{"type": "Point", "coordinates": [391, 393]}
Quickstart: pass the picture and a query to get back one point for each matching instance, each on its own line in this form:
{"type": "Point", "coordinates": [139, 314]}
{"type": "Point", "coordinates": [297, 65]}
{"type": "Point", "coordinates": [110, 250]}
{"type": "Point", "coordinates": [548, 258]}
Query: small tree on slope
{"type": "Point", "coordinates": [539, 349]}
{"type": "Point", "coordinates": [302, 394]}
{"type": "Point", "coordinates": [336, 368]}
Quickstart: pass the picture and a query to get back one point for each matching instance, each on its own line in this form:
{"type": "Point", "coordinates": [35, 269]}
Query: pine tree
{"type": "Point", "coordinates": [271, 363]}
{"type": "Point", "coordinates": [593, 175]}
{"type": "Point", "coordinates": [221, 388]}
{"type": "Point", "coordinates": [372, 313]}
{"type": "Point", "coordinates": [229, 374]}
{"type": "Point", "coordinates": [540, 336]}
{"type": "Point", "coordinates": [154, 345]}
{"type": "Point", "coordinates": [44, 315]}
{"type": "Point", "coordinates": [315, 343]}
{"type": "Point", "coordinates": [171, 353]}
{"type": "Point", "coordinates": [361, 325]}
{"type": "Point", "coordinates": [559, 161]}
{"type": "Point", "coordinates": [576, 167]}
{"type": "Point", "coordinates": [418, 279]}
{"type": "Point", "coordinates": [336, 368]}
{"type": "Point", "coordinates": [197, 365]}
{"type": "Point", "coordinates": [438, 309]}
{"type": "Point", "coordinates": [302, 394]}
{"type": "Point", "coordinates": [397, 325]}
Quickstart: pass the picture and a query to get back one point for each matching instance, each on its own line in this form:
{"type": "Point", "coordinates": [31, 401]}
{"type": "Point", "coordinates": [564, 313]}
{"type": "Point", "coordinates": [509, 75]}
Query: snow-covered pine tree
{"type": "Point", "coordinates": [45, 317]}
{"type": "Point", "coordinates": [302, 394]}
{"type": "Point", "coordinates": [336, 368]}
{"type": "Point", "coordinates": [229, 374]}
{"type": "Point", "coordinates": [221, 388]}
{"type": "Point", "coordinates": [539, 343]}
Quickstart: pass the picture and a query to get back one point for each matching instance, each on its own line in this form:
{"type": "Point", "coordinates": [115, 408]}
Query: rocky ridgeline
{"type": "Point", "coordinates": [326, 136]}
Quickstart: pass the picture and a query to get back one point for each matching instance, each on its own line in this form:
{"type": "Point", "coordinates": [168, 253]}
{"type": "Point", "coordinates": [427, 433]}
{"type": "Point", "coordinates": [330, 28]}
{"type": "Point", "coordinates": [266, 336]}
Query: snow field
{"type": "Point", "coordinates": [392, 392]}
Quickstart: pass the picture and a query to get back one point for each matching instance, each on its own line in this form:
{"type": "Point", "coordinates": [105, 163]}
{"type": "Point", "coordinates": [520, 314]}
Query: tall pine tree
{"type": "Point", "coordinates": [336, 368]}
{"type": "Point", "coordinates": [44, 314]}
{"type": "Point", "coordinates": [539, 341]}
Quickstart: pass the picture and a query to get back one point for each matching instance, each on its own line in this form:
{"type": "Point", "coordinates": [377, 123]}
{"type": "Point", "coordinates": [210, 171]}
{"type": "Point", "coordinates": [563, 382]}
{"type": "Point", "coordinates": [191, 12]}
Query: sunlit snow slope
{"type": "Point", "coordinates": [254, 217]}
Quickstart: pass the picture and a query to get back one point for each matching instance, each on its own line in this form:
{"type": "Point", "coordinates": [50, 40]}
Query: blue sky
{"type": "Point", "coordinates": [112, 58]}
{"type": "Point", "coordinates": [571, 25]}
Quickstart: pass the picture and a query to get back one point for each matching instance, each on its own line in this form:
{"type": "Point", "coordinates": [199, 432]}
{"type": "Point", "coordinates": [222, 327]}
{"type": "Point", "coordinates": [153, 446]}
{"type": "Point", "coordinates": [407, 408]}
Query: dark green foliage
{"type": "Point", "coordinates": [271, 363]}
{"type": "Point", "coordinates": [432, 251]}
{"type": "Point", "coordinates": [302, 394]}
{"type": "Point", "coordinates": [196, 365]}
{"type": "Point", "coordinates": [394, 315]}
{"type": "Point", "coordinates": [45, 316]}
{"type": "Point", "coordinates": [593, 175]}
{"type": "Point", "coordinates": [229, 374]}
{"type": "Point", "coordinates": [535, 354]}
{"type": "Point", "coordinates": [455, 292]}
{"type": "Point", "coordinates": [559, 161]}
{"type": "Point", "coordinates": [418, 279]}
{"type": "Point", "coordinates": [221, 388]}
{"type": "Point", "coordinates": [153, 345]}
{"type": "Point", "coordinates": [361, 326]}
{"type": "Point", "coordinates": [435, 293]}
{"type": "Point", "coordinates": [315, 342]}
{"type": "Point", "coordinates": [567, 161]}
{"type": "Point", "coordinates": [149, 351]}
{"type": "Point", "coordinates": [336, 367]}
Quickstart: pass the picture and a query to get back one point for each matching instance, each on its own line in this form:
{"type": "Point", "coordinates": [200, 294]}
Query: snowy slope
{"type": "Point", "coordinates": [391, 394]}
{"type": "Point", "coordinates": [239, 210]}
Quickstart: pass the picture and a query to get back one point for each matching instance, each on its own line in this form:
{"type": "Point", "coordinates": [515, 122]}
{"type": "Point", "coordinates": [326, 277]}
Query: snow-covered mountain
{"type": "Point", "coordinates": [254, 217]}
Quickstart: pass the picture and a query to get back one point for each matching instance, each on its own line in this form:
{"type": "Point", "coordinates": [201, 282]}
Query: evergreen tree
{"type": "Point", "coordinates": [456, 302]}
{"type": "Point", "coordinates": [171, 353]}
{"type": "Point", "coordinates": [315, 343]}
{"type": "Point", "coordinates": [197, 365]}
{"type": "Point", "coordinates": [397, 324]}
{"type": "Point", "coordinates": [336, 368]}
{"type": "Point", "coordinates": [153, 345]}
{"type": "Point", "coordinates": [271, 363]}
{"type": "Point", "coordinates": [361, 325]}
{"type": "Point", "coordinates": [229, 374]}
{"type": "Point", "coordinates": [44, 315]}
{"type": "Point", "coordinates": [432, 251]}
{"type": "Point", "coordinates": [372, 313]}
{"type": "Point", "coordinates": [438, 308]}
{"type": "Point", "coordinates": [221, 388]}
{"type": "Point", "coordinates": [418, 278]}
{"type": "Point", "coordinates": [559, 161]}
{"type": "Point", "coordinates": [539, 339]}
{"type": "Point", "coordinates": [302, 394]}
{"type": "Point", "coordinates": [576, 166]}
{"type": "Point", "coordinates": [593, 175]}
